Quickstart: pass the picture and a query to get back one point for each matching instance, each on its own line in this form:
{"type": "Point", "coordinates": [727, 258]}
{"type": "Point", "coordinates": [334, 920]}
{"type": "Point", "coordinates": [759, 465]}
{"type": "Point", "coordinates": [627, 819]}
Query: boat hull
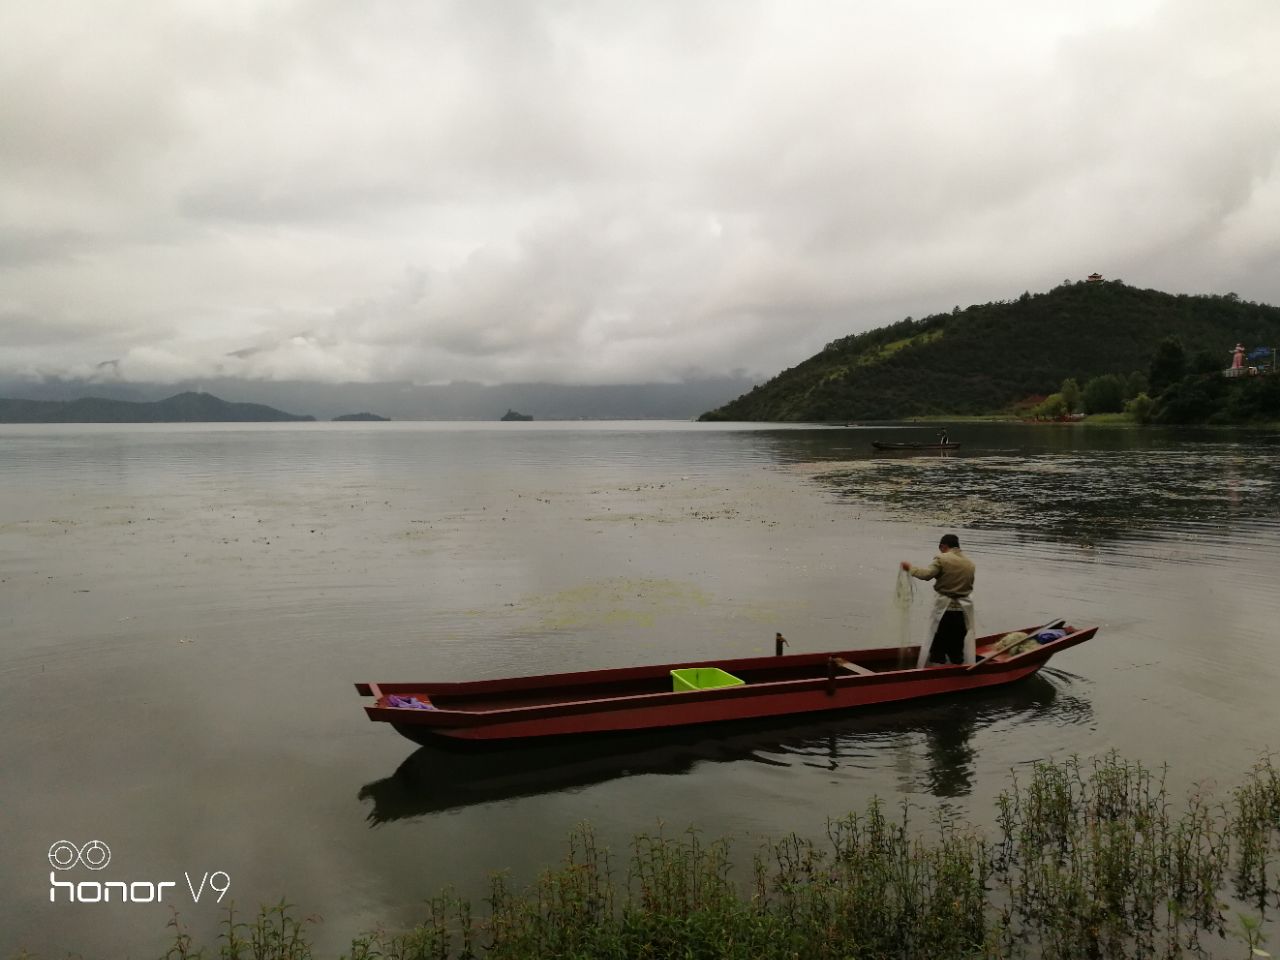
{"type": "Point", "coordinates": [633, 699]}
{"type": "Point", "coordinates": [885, 445]}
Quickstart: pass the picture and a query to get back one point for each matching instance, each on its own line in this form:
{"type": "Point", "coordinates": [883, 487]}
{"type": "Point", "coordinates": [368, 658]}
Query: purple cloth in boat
{"type": "Point", "coordinates": [1048, 636]}
{"type": "Point", "coordinates": [408, 703]}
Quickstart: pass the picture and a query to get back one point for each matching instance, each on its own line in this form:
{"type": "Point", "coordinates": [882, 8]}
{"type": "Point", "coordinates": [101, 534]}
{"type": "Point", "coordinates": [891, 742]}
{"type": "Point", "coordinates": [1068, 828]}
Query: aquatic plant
{"type": "Point", "coordinates": [1093, 859]}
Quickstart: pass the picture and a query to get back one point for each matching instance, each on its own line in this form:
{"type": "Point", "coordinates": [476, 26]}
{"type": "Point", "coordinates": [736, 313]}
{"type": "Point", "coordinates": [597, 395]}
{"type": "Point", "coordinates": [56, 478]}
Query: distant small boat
{"type": "Point", "coordinates": [886, 445]}
{"type": "Point", "coordinates": [685, 694]}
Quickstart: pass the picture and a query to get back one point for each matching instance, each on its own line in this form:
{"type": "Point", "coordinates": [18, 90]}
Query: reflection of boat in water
{"type": "Point", "coordinates": [887, 445]}
{"type": "Point", "coordinates": [443, 776]}
{"type": "Point", "coordinates": [447, 776]}
{"type": "Point", "coordinates": [686, 694]}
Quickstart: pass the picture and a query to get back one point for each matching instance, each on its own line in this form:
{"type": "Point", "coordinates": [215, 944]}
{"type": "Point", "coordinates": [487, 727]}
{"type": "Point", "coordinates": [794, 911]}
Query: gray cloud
{"type": "Point", "coordinates": [604, 192]}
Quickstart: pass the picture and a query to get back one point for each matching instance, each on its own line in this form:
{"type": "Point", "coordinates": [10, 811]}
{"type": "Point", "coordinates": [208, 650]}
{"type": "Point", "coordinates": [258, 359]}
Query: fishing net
{"type": "Point", "coordinates": [1014, 644]}
{"type": "Point", "coordinates": [903, 593]}
{"type": "Point", "coordinates": [904, 590]}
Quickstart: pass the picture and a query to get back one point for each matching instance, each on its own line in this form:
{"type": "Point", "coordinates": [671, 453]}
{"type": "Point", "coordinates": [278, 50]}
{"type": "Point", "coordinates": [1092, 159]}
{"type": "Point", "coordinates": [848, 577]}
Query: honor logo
{"type": "Point", "coordinates": [95, 855]}
{"type": "Point", "coordinates": [64, 855]}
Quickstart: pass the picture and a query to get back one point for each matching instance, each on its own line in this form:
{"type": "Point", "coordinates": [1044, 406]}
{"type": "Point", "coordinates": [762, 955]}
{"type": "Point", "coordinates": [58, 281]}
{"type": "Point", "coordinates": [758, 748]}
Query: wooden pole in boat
{"type": "Point", "coordinates": [779, 641]}
{"type": "Point", "coordinates": [831, 676]}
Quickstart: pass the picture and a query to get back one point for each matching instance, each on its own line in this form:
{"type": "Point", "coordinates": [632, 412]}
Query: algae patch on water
{"type": "Point", "coordinates": [612, 602]}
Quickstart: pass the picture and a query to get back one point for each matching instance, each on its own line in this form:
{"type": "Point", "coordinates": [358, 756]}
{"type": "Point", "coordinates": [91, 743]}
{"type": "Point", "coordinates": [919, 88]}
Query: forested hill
{"type": "Point", "coordinates": [992, 357]}
{"type": "Point", "coordinates": [181, 408]}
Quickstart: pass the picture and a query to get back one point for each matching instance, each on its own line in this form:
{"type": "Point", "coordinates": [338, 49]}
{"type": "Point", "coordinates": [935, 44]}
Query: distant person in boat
{"type": "Point", "coordinates": [951, 631]}
{"type": "Point", "coordinates": [942, 437]}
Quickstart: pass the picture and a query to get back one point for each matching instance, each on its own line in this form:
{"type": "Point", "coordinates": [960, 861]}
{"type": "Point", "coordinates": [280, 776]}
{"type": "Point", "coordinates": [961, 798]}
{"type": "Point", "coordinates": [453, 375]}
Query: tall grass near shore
{"type": "Point", "coordinates": [1094, 859]}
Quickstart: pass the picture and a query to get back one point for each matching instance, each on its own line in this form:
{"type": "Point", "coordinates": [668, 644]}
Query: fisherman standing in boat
{"type": "Point", "coordinates": [951, 629]}
{"type": "Point", "coordinates": [942, 437]}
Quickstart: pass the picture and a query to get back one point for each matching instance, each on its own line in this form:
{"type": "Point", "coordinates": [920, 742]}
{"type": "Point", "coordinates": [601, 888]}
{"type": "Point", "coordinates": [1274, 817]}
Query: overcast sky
{"type": "Point", "coordinates": [597, 192]}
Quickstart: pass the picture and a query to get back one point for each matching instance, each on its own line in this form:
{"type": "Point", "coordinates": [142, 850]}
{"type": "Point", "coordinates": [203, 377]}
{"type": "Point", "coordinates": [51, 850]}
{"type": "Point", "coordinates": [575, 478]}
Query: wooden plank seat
{"type": "Point", "coordinates": [855, 668]}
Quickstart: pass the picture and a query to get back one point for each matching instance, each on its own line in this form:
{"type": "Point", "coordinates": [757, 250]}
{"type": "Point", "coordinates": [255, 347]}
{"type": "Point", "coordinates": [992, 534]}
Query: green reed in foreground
{"type": "Point", "coordinates": [1093, 860]}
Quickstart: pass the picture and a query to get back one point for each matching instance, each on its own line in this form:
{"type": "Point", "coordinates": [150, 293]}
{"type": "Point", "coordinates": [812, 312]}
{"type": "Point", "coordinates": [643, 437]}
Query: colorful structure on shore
{"type": "Point", "coordinates": [1239, 357]}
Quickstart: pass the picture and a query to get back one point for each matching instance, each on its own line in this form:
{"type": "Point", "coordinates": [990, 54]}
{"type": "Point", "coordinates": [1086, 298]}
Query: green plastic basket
{"type": "Point", "coordinates": [702, 678]}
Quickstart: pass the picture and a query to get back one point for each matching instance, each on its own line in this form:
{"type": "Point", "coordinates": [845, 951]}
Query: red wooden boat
{"type": "Point", "coordinates": [888, 445]}
{"type": "Point", "coordinates": [640, 698]}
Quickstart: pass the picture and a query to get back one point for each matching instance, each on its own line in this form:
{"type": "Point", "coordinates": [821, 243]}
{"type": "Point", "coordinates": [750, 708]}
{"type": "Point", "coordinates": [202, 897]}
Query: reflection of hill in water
{"type": "Point", "coordinates": [439, 778]}
{"type": "Point", "coordinates": [1081, 497]}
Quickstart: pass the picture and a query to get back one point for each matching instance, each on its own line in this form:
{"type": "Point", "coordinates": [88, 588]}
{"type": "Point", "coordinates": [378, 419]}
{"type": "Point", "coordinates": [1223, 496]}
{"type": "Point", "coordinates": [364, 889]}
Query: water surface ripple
{"type": "Point", "coordinates": [186, 608]}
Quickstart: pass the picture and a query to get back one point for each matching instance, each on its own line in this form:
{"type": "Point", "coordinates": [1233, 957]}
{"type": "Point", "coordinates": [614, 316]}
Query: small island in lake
{"type": "Point", "coordinates": [513, 415]}
{"type": "Point", "coordinates": [362, 416]}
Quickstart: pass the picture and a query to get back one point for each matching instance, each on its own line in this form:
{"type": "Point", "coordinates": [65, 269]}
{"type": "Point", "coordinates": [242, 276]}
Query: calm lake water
{"type": "Point", "coordinates": [186, 608]}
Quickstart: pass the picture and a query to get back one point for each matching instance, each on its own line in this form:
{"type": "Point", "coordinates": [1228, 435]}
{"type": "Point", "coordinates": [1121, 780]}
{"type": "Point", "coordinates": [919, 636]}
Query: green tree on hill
{"type": "Point", "coordinates": [1167, 366]}
{"type": "Point", "coordinates": [1213, 398]}
{"type": "Point", "coordinates": [1192, 400]}
{"type": "Point", "coordinates": [1051, 408]}
{"type": "Point", "coordinates": [1136, 384]}
{"type": "Point", "coordinates": [1205, 361]}
{"type": "Point", "coordinates": [1071, 394]}
{"type": "Point", "coordinates": [1254, 398]}
{"type": "Point", "coordinates": [1140, 408]}
{"type": "Point", "coordinates": [1104, 394]}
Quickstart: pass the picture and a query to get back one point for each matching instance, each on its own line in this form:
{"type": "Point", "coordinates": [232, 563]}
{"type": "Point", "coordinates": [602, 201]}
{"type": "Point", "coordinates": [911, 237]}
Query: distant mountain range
{"type": "Point", "coordinates": [989, 358]}
{"type": "Point", "coordinates": [181, 408]}
{"type": "Point", "coordinates": [408, 401]}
